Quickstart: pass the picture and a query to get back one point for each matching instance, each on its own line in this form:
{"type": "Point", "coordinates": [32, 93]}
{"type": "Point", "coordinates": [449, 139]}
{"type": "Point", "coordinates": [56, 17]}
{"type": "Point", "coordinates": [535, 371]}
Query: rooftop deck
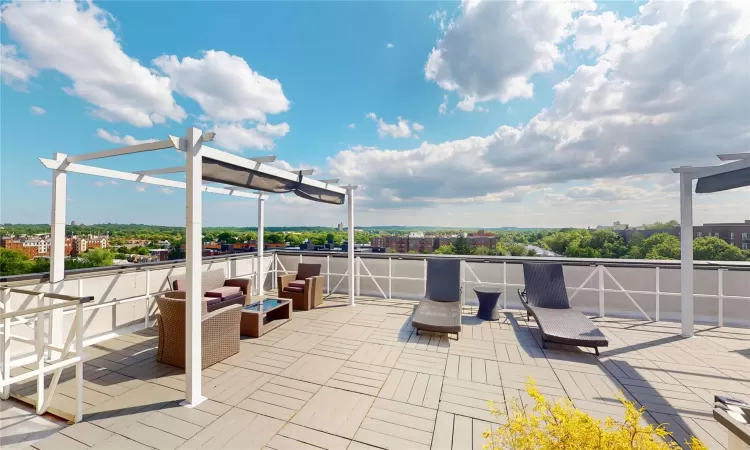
{"type": "Point", "coordinates": [341, 377]}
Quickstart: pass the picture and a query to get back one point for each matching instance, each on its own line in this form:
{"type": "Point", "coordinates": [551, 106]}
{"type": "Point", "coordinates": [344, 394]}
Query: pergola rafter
{"type": "Point", "coordinates": [722, 177]}
{"type": "Point", "coordinates": [227, 174]}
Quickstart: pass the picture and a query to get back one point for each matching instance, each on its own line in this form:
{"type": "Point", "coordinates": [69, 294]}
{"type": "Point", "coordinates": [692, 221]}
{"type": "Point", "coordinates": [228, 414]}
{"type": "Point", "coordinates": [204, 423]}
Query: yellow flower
{"type": "Point", "coordinates": [560, 426]}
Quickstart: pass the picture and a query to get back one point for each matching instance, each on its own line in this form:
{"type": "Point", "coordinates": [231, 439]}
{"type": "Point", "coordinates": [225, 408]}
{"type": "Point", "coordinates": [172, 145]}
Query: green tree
{"type": "Point", "coordinates": [517, 250]}
{"type": "Point", "coordinates": [226, 238]}
{"type": "Point", "coordinates": [444, 250]}
{"type": "Point", "coordinates": [500, 250]}
{"type": "Point", "coordinates": [662, 225]}
{"type": "Point", "coordinates": [274, 238]}
{"type": "Point", "coordinates": [531, 252]}
{"type": "Point", "coordinates": [98, 257]}
{"type": "Point", "coordinates": [482, 251]}
{"type": "Point", "coordinates": [711, 248]}
{"type": "Point", "coordinates": [660, 246]}
{"type": "Point", "coordinates": [462, 246]}
{"type": "Point", "coordinates": [330, 237]}
{"type": "Point", "coordinates": [14, 263]}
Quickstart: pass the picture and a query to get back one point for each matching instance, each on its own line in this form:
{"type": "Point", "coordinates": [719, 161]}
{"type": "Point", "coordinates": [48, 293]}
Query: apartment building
{"type": "Point", "coordinates": [737, 234]}
{"type": "Point", "coordinates": [419, 243]}
{"type": "Point", "coordinates": [33, 246]}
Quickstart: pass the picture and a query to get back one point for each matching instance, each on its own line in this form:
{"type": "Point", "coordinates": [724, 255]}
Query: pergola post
{"type": "Point", "coordinates": [350, 247]}
{"type": "Point", "coordinates": [57, 249]}
{"type": "Point", "coordinates": [260, 244]}
{"type": "Point", "coordinates": [686, 253]}
{"type": "Point", "coordinates": [193, 263]}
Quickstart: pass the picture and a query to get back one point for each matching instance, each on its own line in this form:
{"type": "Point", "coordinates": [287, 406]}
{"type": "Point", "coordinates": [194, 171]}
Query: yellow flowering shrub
{"type": "Point", "coordinates": [561, 426]}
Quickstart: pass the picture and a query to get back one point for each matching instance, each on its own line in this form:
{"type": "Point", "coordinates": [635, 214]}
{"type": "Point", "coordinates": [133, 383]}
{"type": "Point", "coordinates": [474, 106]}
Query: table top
{"type": "Point", "coordinates": [488, 290]}
{"type": "Point", "coordinates": [734, 415]}
{"type": "Point", "coordinates": [269, 304]}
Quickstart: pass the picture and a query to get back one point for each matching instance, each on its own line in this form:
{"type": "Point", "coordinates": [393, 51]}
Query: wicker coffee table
{"type": "Point", "coordinates": [261, 317]}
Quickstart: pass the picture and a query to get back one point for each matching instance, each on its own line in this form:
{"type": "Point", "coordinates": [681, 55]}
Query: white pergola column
{"type": "Point", "coordinates": [193, 263]}
{"type": "Point", "coordinates": [260, 245]}
{"type": "Point", "coordinates": [57, 249]}
{"type": "Point", "coordinates": [686, 253]}
{"type": "Point", "coordinates": [350, 249]}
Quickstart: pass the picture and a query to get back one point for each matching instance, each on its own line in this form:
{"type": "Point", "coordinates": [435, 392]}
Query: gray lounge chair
{"type": "Point", "coordinates": [440, 311]}
{"type": "Point", "coordinates": [546, 299]}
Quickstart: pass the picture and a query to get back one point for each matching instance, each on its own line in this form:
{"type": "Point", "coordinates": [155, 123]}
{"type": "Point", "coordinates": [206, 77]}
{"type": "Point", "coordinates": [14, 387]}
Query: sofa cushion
{"type": "Point", "coordinates": [294, 289]}
{"type": "Point", "coordinates": [297, 283]}
{"type": "Point", "coordinates": [223, 291]}
{"type": "Point", "coordinates": [211, 301]}
{"type": "Point", "coordinates": [307, 271]}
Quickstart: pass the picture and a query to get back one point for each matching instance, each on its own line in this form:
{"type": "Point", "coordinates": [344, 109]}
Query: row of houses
{"type": "Point", "coordinates": [418, 242]}
{"type": "Point", "coordinates": [40, 245]}
{"type": "Point", "coordinates": [737, 234]}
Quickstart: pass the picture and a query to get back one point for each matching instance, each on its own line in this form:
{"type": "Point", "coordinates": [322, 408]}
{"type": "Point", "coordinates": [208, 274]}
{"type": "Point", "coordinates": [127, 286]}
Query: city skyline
{"type": "Point", "coordinates": [577, 126]}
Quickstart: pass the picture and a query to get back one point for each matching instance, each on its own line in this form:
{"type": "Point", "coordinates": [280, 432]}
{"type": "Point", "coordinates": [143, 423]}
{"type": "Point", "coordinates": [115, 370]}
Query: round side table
{"type": "Point", "coordinates": [488, 297]}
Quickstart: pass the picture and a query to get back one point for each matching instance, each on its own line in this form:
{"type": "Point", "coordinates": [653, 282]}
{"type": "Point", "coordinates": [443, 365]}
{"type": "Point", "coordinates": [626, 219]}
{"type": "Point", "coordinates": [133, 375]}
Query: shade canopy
{"type": "Point", "coordinates": [227, 173]}
{"type": "Point", "coordinates": [723, 181]}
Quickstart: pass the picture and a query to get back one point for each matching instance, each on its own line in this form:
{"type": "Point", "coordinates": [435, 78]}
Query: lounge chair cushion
{"type": "Point", "coordinates": [307, 270]}
{"type": "Point", "coordinates": [567, 326]}
{"type": "Point", "coordinates": [294, 289]}
{"type": "Point", "coordinates": [223, 291]}
{"type": "Point", "coordinates": [297, 283]}
{"type": "Point", "coordinates": [441, 317]}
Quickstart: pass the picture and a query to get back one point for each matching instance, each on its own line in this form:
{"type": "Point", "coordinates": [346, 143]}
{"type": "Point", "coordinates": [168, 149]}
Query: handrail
{"type": "Point", "coordinates": [69, 300]}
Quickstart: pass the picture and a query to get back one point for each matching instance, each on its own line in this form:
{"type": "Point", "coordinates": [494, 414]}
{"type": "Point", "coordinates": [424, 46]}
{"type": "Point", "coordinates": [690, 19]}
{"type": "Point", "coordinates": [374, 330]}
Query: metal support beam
{"type": "Point", "coordinates": [57, 248]}
{"type": "Point", "coordinates": [176, 169]}
{"type": "Point", "coordinates": [146, 147]}
{"type": "Point", "coordinates": [686, 253]}
{"type": "Point", "coordinates": [194, 253]}
{"type": "Point", "coordinates": [350, 249]}
{"type": "Point", "coordinates": [260, 244]}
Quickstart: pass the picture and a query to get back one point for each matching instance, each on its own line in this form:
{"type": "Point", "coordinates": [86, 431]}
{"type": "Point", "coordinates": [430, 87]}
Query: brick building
{"type": "Point", "coordinates": [737, 234]}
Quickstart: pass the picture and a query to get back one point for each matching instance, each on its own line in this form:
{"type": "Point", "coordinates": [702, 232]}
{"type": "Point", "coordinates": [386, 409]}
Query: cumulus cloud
{"type": "Point", "coordinates": [125, 140]}
{"type": "Point", "coordinates": [43, 183]}
{"type": "Point", "coordinates": [225, 86]}
{"type": "Point", "coordinates": [352, 126]}
{"type": "Point", "coordinates": [235, 136]}
{"type": "Point", "coordinates": [166, 190]}
{"type": "Point", "coordinates": [38, 110]}
{"type": "Point", "coordinates": [401, 129]}
{"type": "Point", "coordinates": [76, 40]}
{"type": "Point", "coordinates": [493, 48]}
{"type": "Point", "coordinates": [649, 101]}
{"type": "Point", "coordinates": [140, 188]}
{"type": "Point", "coordinates": [15, 71]}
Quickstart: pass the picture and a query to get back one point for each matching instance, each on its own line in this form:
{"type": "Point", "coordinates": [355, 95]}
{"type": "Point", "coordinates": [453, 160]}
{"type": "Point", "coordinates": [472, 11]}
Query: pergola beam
{"type": "Point", "coordinates": [733, 156]}
{"type": "Point", "coordinates": [707, 171]}
{"type": "Point", "coordinates": [264, 159]}
{"type": "Point", "coordinates": [330, 181]}
{"type": "Point", "coordinates": [145, 147]}
{"type": "Point", "coordinates": [176, 169]}
{"type": "Point", "coordinates": [138, 178]}
{"type": "Point", "coordinates": [305, 172]}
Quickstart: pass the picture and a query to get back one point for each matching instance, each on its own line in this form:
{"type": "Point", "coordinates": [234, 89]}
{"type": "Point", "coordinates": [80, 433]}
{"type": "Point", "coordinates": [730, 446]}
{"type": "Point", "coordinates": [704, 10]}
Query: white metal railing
{"type": "Point", "coordinates": [600, 275]}
{"type": "Point", "coordinates": [49, 357]}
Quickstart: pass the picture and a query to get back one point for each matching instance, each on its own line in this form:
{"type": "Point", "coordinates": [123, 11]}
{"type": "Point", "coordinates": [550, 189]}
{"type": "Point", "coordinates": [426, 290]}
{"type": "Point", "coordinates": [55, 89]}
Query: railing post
{"type": "Point", "coordinates": [720, 275]}
{"type": "Point", "coordinates": [79, 364]}
{"type": "Point", "coordinates": [5, 392]}
{"type": "Point", "coordinates": [424, 277]}
{"type": "Point", "coordinates": [39, 338]}
{"type": "Point", "coordinates": [658, 293]}
{"type": "Point", "coordinates": [601, 290]}
{"type": "Point", "coordinates": [328, 274]}
{"type": "Point", "coordinates": [148, 298]}
{"type": "Point", "coordinates": [505, 285]}
{"type": "Point", "coordinates": [359, 272]}
{"type": "Point", "coordinates": [390, 274]}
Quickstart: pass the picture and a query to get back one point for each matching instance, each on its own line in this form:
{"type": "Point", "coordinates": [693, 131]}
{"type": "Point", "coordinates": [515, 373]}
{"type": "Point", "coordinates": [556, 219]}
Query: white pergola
{"type": "Point", "coordinates": [225, 174]}
{"type": "Point", "coordinates": [722, 177]}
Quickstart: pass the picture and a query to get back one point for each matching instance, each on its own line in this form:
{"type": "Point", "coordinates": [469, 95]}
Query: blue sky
{"type": "Point", "coordinates": [337, 62]}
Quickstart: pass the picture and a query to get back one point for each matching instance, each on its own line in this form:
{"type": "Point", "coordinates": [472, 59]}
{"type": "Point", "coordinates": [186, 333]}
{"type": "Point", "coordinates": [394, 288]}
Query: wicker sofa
{"type": "Point", "coordinates": [220, 331]}
{"type": "Point", "coordinates": [218, 292]}
{"type": "Point", "coordinates": [305, 288]}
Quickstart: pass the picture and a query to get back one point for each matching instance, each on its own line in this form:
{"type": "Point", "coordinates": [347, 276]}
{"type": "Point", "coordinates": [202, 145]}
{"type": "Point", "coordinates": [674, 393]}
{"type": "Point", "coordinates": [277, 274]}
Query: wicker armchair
{"type": "Point", "coordinates": [305, 288]}
{"type": "Point", "coordinates": [220, 331]}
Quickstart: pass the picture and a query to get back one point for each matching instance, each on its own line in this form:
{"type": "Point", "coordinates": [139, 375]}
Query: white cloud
{"type": "Point", "coordinates": [418, 127]}
{"type": "Point", "coordinates": [166, 190]}
{"type": "Point", "coordinates": [235, 137]}
{"type": "Point", "coordinates": [38, 110]}
{"type": "Point", "coordinates": [44, 183]}
{"type": "Point", "coordinates": [98, 183]}
{"type": "Point", "coordinates": [225, 86]}
{"type": "Point", "coordinates": [389, 45]}
{"type": "Point", "coordinates": [493, 48]}
{"type": "Point", "coordinates": [140, 188]}
{"type": "Point", "coordinates": [443, 108]}
{"type": "Point", "coordinates": [76, 40]}
{"type": "Point", "coordinates": [400, 129]}
{"type": "Point", "coordinates": [15, 71]}
{"type": "Point", "coordinates": [125, 140]}
{"type": "Point", "coordinates": [352, 126]}
{"type": "Point", "coordinates": [648, 103]}
{"type": "Point", "coordinates": [114, 182]}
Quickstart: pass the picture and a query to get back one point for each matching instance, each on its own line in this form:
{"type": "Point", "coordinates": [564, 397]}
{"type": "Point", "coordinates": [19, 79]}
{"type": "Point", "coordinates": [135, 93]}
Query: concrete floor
{"type": "Point", "coordinates": [339, 377]}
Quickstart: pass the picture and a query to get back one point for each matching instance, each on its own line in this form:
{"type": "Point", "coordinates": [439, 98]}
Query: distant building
{"type": "Point", "coordinates": [72, 223]}
{"type": "Point", "coordinates": [340, 227]}
{"type": "Point", "coordinates": [160, 254]}
{"type": "Point", "coordinates": [628, 233]}
{"type": "Point", "coordinates": [419, 243]}
{"type": "Point", "coordinates": [737, 234]}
